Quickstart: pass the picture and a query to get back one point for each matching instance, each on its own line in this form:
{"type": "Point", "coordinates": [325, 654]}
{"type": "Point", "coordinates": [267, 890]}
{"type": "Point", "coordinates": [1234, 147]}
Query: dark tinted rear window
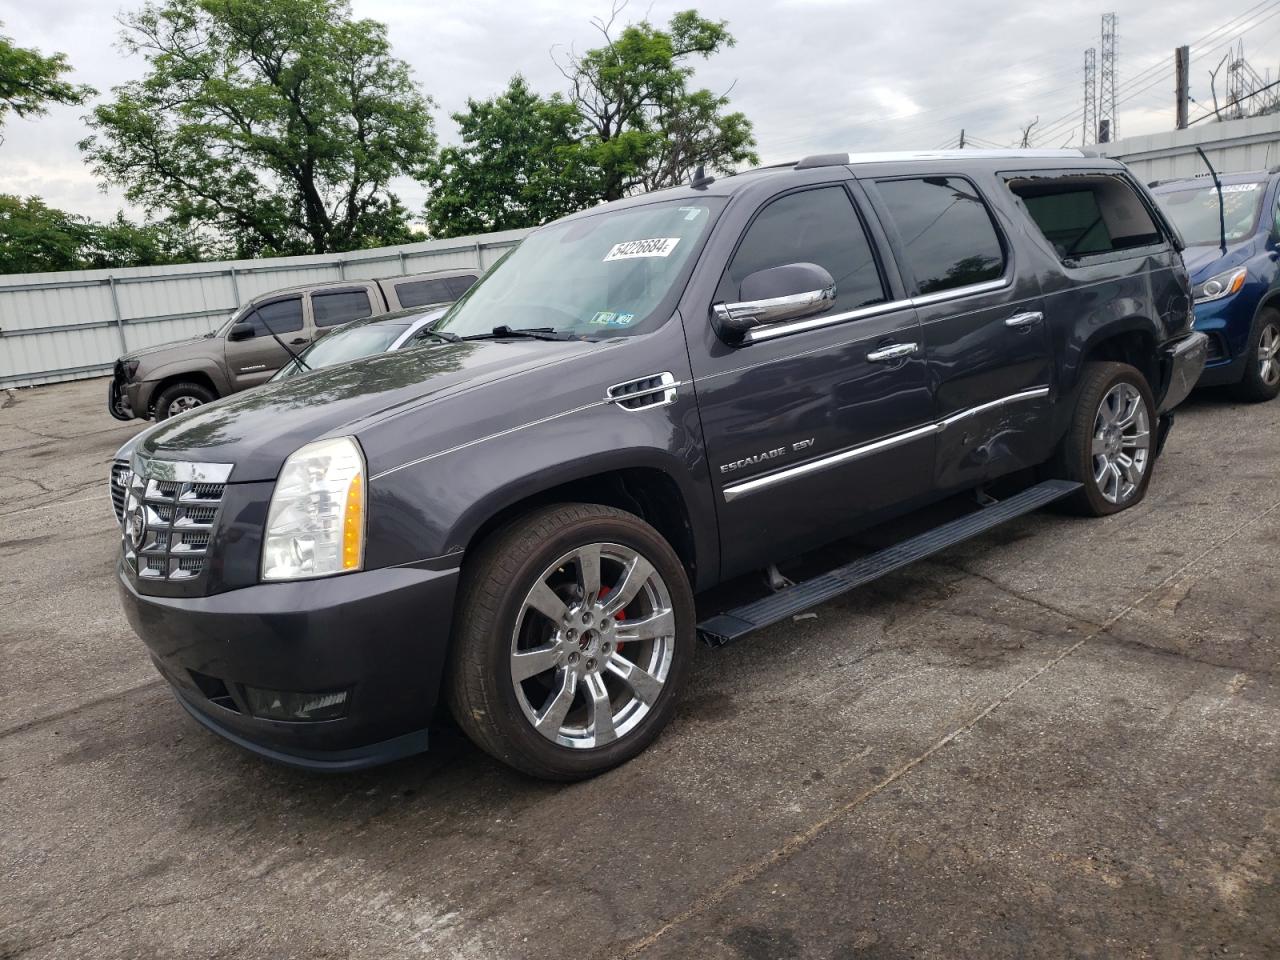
{"type": "Point", "coordinates": [1083, 214]}
{"type": "Point", "coordinates": [419, 293]}
{"type": "Point", "coordinates": [342, 306]}
{"type": "Point", "coordinates": [947, 231]}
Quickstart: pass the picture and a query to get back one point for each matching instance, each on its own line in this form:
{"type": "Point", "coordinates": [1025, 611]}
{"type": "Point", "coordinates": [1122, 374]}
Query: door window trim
{"type": "Point", "coordinates": [759, 334]}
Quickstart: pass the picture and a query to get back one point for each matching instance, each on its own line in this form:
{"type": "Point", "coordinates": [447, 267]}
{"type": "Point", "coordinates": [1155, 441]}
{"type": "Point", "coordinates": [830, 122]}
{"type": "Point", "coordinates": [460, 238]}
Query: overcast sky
{"type": "Point", "coordinates": [814, 76]}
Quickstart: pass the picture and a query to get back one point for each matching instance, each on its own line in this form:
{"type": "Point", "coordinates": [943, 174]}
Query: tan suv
{"type": "Point", "coordinates": [158, 382]}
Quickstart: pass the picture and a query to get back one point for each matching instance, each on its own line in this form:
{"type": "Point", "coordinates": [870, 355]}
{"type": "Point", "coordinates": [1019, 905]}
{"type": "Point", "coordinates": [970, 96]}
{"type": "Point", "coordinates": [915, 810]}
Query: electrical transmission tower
{"type": "Point", "coordinates": [1249, 94]}
{"type": "Point", "coordinates": [1090, 131]}
{"type": "Point", "coordinates": [1107, 81]}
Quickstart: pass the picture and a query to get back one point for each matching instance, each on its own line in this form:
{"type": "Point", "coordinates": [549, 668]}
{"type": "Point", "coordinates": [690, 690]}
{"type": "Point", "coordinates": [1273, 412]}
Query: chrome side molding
{"type": "Point", "coordinates": [736, 490]}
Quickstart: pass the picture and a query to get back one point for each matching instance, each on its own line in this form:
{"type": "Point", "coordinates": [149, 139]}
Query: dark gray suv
{"type": "Point", "coordinates": [641, 401]}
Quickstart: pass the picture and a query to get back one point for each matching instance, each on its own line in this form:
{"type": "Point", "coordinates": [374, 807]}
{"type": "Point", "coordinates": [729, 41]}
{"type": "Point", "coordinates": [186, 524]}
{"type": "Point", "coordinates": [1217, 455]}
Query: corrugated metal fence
{"type": "Point", "coordinates": [63, 326]}
{"type": "Point", "coordinates": [1233, 146]}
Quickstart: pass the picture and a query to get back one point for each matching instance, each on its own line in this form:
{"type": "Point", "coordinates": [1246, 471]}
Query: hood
{"type": "Point", "coordinates": [1204, 260]}
{"type": "Point", "coordinates": [257, 430]}
{"type": "Point", "coordinates": [164, 347]}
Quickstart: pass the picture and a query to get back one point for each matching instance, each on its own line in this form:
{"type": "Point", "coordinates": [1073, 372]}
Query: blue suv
{"type": "Point", "coordinates": [1236, 292]}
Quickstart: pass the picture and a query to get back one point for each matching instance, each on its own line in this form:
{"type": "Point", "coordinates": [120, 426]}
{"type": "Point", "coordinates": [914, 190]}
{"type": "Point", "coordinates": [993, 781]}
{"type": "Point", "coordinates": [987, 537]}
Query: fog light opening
{"type": "Point", "coordinates": [288, 705]}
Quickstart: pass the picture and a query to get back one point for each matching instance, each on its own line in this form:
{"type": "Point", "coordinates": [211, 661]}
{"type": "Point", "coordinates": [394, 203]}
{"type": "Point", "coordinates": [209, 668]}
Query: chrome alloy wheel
{"type": "Point", "coordinates": [183, 404]}
{"type": "Point", "coordinates": [1269, 355]}
{"type": "Point", "coordinates": [1121, 443]}
{"type": "Point", "coordinates": [592, 645]}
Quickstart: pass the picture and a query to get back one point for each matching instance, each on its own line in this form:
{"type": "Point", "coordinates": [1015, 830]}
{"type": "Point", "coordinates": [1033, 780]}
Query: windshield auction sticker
{"type": "Point", "coordinates": [632, 249]}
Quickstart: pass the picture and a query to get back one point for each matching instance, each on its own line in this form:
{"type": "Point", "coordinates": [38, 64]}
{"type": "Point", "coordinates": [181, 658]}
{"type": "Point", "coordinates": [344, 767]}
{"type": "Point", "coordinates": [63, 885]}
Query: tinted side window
{"type": "Point", "coordinates": [331, 309]}
{"type": "Point", "coordinates": [283, 316]}
{"type": "Point", "coordinates": [460, 285]}
{"type": "Point", "coordinates": [815, 226]}
{"type": "Point", "coordinates": [1083, 214]}
{"type": "Point", "coordinates": [947, 231]}
{"type": "Point", "coordinates": [418, 293]}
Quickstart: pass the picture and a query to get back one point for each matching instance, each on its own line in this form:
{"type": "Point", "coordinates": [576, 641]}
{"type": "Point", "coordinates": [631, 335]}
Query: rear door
{"type": "Point", "coordinates": [815, 425]}
{"type": "Point", "coordinates": [990, 359]}
{"type": "Point", "coordinates": [253, 360]}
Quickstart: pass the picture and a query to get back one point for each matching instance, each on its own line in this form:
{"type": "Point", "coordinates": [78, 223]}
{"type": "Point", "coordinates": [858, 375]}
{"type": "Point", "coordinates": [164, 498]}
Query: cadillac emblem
{"type": "Point", "coordinates": [135, 525]}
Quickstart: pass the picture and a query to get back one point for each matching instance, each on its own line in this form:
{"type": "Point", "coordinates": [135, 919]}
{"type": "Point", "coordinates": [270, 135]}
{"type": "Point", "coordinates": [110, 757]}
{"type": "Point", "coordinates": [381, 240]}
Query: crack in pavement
{"type": "Point", "coordinates": [800, 841]}
{"type": "Point", "coordinates": [1016, 594]}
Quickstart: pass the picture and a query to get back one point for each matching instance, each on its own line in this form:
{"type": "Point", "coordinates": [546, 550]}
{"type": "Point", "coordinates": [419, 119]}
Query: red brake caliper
{"type": "Point", "coordinates": [620, 615]}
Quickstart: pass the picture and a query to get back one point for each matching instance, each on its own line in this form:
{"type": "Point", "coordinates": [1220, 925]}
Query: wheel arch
{"type": "Point", "coordinates": [645, 485]}
{"type": "Point", "coordinates": [199, 375]}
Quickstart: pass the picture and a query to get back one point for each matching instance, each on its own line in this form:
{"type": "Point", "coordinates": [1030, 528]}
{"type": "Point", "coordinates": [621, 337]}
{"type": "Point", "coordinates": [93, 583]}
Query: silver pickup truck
{"type": "Point", "coordinates": [158, 382]}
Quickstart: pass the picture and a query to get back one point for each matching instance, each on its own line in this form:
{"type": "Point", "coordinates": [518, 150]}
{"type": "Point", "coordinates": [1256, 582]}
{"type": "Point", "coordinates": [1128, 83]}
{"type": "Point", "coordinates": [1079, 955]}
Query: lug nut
{"type": "Point", "coordinates": [605, 647]}
{"type": "Point", "coordinates": [591, 663]}
{"type": "Point", "coordinates": [573, 658]}
{"type": "Point", "coordinates": [586, 618]}
{"type": "Point", "coordinates": [572, 634]}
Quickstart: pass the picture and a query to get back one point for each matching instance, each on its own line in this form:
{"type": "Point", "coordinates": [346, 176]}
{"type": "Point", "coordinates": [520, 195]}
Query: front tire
{"type": "Point", "coordinates": [1110, 445]}
{"type": "Point", "coordinates": [182, 397]}
{"type": "Point", "coordinates": [572, 640]}
{"type": "Point", "coordinates": [1261, 380]}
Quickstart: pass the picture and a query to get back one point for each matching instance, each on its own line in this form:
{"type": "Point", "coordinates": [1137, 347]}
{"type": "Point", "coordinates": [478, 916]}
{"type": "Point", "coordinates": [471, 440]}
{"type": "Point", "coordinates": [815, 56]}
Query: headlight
{"type": "Point", "coordinates": [1222, 285]}
{"type": "Point", "coordinates": [315, 526]}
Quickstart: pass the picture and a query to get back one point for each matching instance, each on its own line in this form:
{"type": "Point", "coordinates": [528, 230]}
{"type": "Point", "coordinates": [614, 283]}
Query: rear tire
{"type": "Point", "coordinates": [181, 397]}
{"type": "Point", "coordinates": [1111, 444]}
{"type": "Point", "coordinates": [547, 674]}
{"type": "Point", "coordinates": [1261, 380]}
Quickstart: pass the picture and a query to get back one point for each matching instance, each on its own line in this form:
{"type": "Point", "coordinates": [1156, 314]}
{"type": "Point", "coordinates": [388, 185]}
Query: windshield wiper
{"type": "Point", "coordinates": [533, 333]}
{"type": "Point", "coordinates": [438, 334]}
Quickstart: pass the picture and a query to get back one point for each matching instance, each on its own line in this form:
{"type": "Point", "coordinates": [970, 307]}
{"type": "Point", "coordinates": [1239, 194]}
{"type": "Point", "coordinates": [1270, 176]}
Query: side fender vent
{"type": "Point", "coordinates": [656, 390]}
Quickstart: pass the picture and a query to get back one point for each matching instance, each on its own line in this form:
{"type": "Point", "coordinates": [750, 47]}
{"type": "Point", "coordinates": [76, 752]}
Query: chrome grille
{"type": "Point", "coordinates": [166, 524]}
{"type": "Point", "coordinates": [119, 486]}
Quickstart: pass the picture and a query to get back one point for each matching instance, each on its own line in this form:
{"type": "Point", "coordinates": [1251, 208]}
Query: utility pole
{"type": "Point", "coordinates": [1182, 92]}
{"type": "Point", "coordinates": [1107, 107]}
{"type": "Point", "coordinates": [962, 138]}
{"type": "Point", "coordinates": [1090, 132]}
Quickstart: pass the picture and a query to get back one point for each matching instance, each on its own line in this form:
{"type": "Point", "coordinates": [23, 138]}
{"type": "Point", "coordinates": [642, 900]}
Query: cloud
{"type": "Point", "coordinates": [815, 76]}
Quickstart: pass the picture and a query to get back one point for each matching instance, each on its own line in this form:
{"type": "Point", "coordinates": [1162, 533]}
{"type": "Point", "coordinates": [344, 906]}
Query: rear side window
{"type": "Point", "coordinates": [1082, 215]}
{"type": "Point", "coordinates": [946, 230]}
{"type": "Point", "coordinates": [341, 306]}
{"type": "Point", "coordinates": [815, 226]}
{"type": "Point", "coordinates": [419, 293]}
{"type": "Point", "coordinates": [282, 316]}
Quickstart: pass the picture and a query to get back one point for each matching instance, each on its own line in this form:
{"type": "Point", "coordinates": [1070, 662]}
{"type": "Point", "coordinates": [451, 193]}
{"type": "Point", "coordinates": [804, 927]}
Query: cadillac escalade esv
{"type": "Point", "coordinates": [640, 401]}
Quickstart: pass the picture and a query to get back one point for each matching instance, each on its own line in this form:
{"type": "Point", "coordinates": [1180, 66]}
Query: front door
{"type": "Point", "coordinates": [990, 356]}
{"type": "Point", "coordinates": [813, 426]}
{"type": "Point", "coordinates": [253, 360]}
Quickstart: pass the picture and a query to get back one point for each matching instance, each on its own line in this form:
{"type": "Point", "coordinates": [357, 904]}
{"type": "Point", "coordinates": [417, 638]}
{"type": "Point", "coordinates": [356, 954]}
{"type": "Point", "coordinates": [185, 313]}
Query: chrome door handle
{"type": "Point", "coordinates": [894, 352]}
{"type": "Point", "coordinates": [1024, 319]}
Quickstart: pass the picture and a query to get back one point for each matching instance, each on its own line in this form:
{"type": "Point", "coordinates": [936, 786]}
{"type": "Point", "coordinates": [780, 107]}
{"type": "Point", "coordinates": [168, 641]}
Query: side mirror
{"type": "Point", "coordinates": [789, 292]}
{"type": "Point", "coordinates": [241, 331]}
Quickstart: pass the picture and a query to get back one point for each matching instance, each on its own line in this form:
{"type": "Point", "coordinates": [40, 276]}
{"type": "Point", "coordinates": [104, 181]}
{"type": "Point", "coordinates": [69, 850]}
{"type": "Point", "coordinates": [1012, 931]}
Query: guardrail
{"type": "Point", "coordinates": [69, 325]}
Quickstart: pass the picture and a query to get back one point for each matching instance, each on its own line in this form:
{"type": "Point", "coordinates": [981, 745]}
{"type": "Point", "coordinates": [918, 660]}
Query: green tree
{"type": "Point", "coordinates": [276, 123]}
{"type": "Point", "coordinates": [520, 164]}
{"type": "Point", "coordinates": [647, 128]}
{"type": "Point", "coordinates": [29, 80]}
{"type": "Point", "coordinates": [35, 237]}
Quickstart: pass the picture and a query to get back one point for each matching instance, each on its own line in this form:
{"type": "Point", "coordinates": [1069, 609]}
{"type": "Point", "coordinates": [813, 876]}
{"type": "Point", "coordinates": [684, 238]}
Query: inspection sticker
{"type": "Point", "coordinates": [606, 318]}
{"type": "Point", "coordinates": [631, 249]}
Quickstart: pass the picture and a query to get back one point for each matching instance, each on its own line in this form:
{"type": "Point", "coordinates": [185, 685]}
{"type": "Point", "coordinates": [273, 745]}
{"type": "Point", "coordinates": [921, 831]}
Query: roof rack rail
{"type": "Point", "coordinates": [823, 160]}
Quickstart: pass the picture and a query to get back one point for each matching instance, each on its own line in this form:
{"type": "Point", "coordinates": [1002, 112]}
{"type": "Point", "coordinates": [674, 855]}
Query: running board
{"type": "Point", "coordinates": [729, 626]}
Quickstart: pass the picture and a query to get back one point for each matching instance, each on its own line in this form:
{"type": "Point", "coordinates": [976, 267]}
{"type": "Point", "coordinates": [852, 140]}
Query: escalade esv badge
{"type": "Point", "coordinates": [765, 456]}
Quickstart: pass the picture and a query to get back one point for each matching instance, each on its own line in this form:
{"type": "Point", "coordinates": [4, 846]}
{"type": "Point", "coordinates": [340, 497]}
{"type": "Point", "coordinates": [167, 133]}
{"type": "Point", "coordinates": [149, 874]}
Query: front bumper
{"type": "Point", "coordinates": [381, 635]}
{"type": "Point", "coordinates": [1183, 361]}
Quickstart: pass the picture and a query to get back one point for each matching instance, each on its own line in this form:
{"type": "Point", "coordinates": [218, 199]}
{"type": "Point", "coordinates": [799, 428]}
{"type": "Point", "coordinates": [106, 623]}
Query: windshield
{"type": "Point", "coordinates": [1195, 212]}
{"type": "Point", "coordinates": [598, 276]}
{"type": "Point", "coordinates": [344, 345]}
